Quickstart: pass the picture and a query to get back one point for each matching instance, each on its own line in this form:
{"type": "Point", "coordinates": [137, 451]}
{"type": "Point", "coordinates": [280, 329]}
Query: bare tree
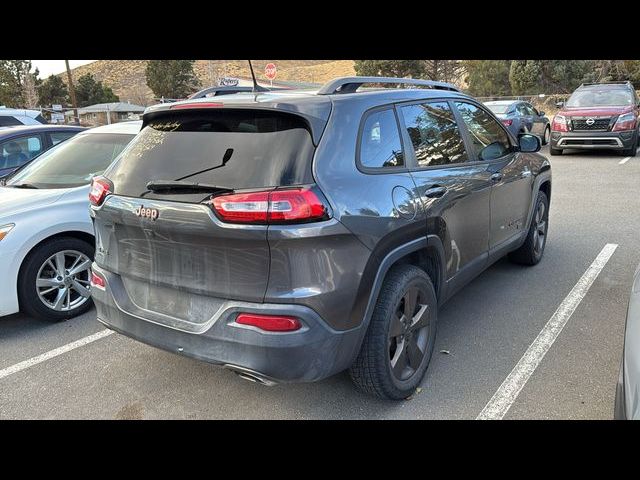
{"type": "Point", "coordinates": [29, 93]}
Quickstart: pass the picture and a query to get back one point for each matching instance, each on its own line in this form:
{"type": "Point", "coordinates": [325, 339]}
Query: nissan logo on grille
{"type": "Point", "coordinates": [590, 121]}
{"type": "Point", "coordinates": [143, 212]}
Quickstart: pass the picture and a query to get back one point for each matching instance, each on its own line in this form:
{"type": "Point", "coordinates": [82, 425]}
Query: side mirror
{"type": "Point", "coordinates": [529, 143]}
{"type": "Point", "coordinates": [541, 113]}
{"type": "Point", "coordinates": [559, 104]}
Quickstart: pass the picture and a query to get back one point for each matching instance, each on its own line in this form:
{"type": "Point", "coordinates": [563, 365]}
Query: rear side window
{"type": "Point", "coordinates": [18, 151]}
{"type": "Point", "coordinates": [380, 144]}
{"type": "Point", "coordinates": [232, 148]}
{"type": "Point", "coordinates": [488, 137]}
{"type": "Point", "coordinates": [41, 119]}
{"type": "Point", "coordinates": [9, 121]}
{"type": "Point", "coordinates": [57, 137]}
{"type": "Point", "coordinates": [434, 134]}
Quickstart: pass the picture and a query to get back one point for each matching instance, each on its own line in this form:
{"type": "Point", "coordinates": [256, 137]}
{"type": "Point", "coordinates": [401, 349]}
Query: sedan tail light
{"type": "Point", "coordinates": [507, 122]}
{"type": "Point", "coordinates": [100, 188]}
{"type": "Point", "coordinates": [294, 205]}
{"type": "Point", "coordinates": [97, 281]}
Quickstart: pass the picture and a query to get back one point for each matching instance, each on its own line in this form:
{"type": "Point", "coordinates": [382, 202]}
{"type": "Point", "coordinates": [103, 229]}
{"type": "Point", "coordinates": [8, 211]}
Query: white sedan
{"type": "Point", "coordinates": [46, 234]}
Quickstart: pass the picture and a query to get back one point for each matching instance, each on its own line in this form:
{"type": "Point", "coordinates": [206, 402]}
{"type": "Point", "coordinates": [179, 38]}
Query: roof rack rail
{"type": "Point", "coordinates": [351, 84]}
{"type": "Point", "coordinates": [621, 82]}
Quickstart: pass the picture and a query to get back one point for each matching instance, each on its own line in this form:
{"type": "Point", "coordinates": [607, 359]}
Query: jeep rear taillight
{"type": "Point", "coordinates": [100, 188]}
{"type": "Point", "coordinates": [293, 205]}
{"type": "Point", "coordinates": [559, 124]}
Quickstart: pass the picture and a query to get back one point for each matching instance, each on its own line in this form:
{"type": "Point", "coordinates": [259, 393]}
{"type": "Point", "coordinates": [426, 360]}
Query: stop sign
{"type": "Point", "coordinates": [270, 71]}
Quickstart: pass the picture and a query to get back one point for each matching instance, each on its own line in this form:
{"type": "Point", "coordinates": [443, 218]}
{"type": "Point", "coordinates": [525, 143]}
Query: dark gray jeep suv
{"type": "Point", "coordinates": [291, 235]}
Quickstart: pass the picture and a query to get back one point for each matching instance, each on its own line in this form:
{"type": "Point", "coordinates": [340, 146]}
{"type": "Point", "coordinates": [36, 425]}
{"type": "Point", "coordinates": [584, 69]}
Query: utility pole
{"type": "Point", "coordinates": [72, 92]}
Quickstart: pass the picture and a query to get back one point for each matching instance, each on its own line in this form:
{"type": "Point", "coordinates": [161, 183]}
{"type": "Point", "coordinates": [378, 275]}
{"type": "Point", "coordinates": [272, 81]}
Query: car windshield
{"type": "Point", "coordinates": [72, 163]}
{"type": "Point", "coordinates": [606, 97]}
{"type": "Point", "coordinates": [498, 108]}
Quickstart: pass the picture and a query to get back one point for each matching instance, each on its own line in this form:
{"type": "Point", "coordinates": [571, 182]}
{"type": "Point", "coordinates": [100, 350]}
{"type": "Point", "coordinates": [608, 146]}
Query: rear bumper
{"type": "Point", "coordinates": [312, 353]}
{"type": "Point", "coordinates": [591, 140]}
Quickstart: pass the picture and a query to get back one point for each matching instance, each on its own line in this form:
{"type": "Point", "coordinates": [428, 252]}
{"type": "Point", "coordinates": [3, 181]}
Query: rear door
{"type": "Point", "coordinates": [454, 190]}
{"type": "Point", "coordinates": [510, 174]}
{"type": "Point", "coordinates": [184, 251]}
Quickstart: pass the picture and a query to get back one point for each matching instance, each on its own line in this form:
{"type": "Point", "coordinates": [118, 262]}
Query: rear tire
{"type": "Point", "coordinates": [397, 347]}
{"type": "Point", "coordinates": [36, 266]}
{"type": "Point", "coordinates": [530, 253]}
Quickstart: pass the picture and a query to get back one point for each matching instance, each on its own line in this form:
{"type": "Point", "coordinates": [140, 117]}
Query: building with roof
{"type": "Point", "coordinates": [106, 113]}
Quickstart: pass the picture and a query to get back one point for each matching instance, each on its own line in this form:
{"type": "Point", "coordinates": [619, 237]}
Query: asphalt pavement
{"type": "Point", "coordinates": [483, 332]}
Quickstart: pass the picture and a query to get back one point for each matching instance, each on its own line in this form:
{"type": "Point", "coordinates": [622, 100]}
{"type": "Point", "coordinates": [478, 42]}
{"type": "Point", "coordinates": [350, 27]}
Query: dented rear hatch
{"type": "Point", "coordinates": [167, 249]}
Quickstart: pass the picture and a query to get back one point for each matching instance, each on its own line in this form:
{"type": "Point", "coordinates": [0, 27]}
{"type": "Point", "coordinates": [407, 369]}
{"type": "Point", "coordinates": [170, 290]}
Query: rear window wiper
{"type": "Point", "coordinates": [185, 187]}
{"type": "Point", "coordinates": [22, 185]}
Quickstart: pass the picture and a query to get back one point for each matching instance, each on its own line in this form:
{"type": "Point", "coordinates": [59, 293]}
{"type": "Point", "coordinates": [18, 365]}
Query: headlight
{"type": "Point", "coordinates": [5, 229]}
{"type": "Point", "coordinates": [625, 122]}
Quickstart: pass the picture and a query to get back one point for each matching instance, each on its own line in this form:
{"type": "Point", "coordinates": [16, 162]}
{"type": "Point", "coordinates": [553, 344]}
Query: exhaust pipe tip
{"type": "Point", "coordinates": [251, 376]}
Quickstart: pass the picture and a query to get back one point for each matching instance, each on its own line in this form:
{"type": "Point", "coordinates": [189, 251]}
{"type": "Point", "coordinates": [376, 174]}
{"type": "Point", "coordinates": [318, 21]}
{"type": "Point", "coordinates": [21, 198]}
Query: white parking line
{"type": "Point", "coordinates": [504, 397]}
{"type": "Point", "coordinates": [53, 353]}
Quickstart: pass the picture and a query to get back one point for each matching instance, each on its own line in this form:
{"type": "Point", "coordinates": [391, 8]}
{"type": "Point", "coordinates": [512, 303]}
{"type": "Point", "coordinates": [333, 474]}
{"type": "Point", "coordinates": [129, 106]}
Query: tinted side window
{"type": "Point", "coordinates": [521, 109]}
{"type": "Point", "coordinates": [57, 137]}
{"type": "Point", "coordinates": [380, 142]}
{"type": "Point", "coordinates": [434, 134]}
{"type": "Point", "coordinates": [488, 137]}
{"type": "Point", "coordinates": [8, 121]}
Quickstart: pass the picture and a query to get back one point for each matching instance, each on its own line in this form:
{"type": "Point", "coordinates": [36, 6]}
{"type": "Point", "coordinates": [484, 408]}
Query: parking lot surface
{"type": "Point", "coordinates": [483, 332]}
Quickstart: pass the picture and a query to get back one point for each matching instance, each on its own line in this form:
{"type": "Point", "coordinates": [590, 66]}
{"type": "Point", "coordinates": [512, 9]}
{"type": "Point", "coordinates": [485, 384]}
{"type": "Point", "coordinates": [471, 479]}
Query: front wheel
{"type": "Point", "coordinates": [631, 151]}
{"type": "Point", "coordinates": [530, 253]}
{"type": "Point", "coordinates": [54, 280]}
{"type": "Point", "coordinates": [400, 339]}
{"type": "Point", "coordinates": [547, 135]}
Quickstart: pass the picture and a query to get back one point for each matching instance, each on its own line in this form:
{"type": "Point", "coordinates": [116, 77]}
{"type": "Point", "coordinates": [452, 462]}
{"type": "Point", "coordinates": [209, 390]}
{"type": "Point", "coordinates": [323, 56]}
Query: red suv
{"type": "Point", "coordinates": [598, 115]}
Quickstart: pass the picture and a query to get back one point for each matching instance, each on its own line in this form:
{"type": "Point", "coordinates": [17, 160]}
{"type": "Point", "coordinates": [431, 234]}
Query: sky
{"type": "Point", "coordinates": [52, 67]}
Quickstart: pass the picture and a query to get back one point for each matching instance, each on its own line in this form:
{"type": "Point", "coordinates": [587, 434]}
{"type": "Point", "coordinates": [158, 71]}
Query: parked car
{"type": "Point", "coordinates": [521, 117]}
{"type": "Point", "coordinates": [291, 235]}
{"type": "Point", "coordinates": [627, 404]}
{"type": "Point", "coordinates": [10, 117]}
{"type": "Point", "coordinates": [226, 90]}
{"type": "Point", "coordinates": [598, 115]}
{"type": "Point", "coordinates": [46, 235]}
{"type": "Point", "coordinates": [19, 145]}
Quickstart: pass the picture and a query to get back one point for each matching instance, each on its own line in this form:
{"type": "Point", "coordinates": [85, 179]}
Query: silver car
{"type": "Point", "coordinates": [627, 405]}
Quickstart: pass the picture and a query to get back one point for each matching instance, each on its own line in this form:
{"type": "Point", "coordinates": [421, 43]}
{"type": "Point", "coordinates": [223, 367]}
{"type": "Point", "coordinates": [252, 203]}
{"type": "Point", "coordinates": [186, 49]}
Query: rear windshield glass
{"type": "Point", "coordinates": [228, 148]}
{"type": "Point", "coordinates": [606, 97]}
{"type": "Point", "coordinates": [498, 108]}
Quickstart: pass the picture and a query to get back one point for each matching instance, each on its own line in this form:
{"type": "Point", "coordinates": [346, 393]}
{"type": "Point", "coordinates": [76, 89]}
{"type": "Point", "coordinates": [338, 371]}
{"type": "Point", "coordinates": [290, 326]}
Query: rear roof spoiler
{"type": "Point", "coordinates": [351, 84]}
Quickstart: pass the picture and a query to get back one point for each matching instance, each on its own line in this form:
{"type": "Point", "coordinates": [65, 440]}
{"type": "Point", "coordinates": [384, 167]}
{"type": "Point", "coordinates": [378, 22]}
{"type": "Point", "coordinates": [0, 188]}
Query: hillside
{"type": "Point", "coordinates": [127, 77]}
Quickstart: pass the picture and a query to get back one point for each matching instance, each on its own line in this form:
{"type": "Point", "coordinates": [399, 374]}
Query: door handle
{"type": "Point", "coordinates": [435, 192]}
{"type": "Point", "coordinates": [496, 177]}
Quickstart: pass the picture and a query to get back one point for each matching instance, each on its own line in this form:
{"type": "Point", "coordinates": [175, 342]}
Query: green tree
{"type": "Point", "coordinates": [12, 76]}
{"type": "Point", "coordinates": [444, 70]}
{"type": "Point", "coordinates": [390, 68]}
{"type": "Point", "coordinates": [488, 77]}
{"type": "Point", "coordinates": [615, 71]}
{"type": "Point", "coordinates": [53, 91]}
{"type": "Point", "coordinates": [89, 91]}
{"type": "Point", "coordinates": [547, 76]}
{"type": "Point", "coordinates": [171, 78]}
